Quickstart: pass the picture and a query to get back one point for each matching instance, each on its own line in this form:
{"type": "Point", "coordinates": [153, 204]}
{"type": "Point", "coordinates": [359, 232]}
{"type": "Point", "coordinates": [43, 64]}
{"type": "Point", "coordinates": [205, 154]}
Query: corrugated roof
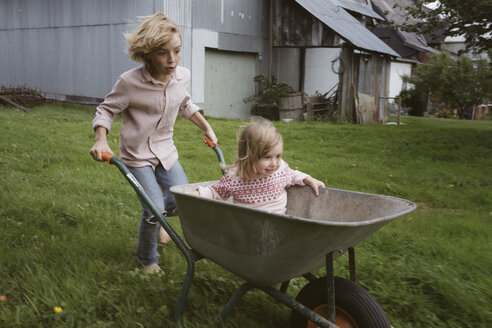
{"type": "Point", "coordinates": [346, 26]}
{"type": "Point", "coordinates": [396, 14]}
{"type": "Point", "coordinates": [359, 6]}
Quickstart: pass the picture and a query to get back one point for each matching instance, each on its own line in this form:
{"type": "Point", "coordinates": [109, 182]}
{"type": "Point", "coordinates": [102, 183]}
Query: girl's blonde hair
{"type": "Point", "coordinates": [153, 33]}
{"type": "Point", "coordinates": [255, 141]}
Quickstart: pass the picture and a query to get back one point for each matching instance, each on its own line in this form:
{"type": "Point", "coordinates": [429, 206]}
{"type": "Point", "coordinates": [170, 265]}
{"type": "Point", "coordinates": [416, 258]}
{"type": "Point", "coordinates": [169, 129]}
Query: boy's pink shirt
{"type": "Point", "coordinates": [267, 193]}
{"type": "Point", "coordinates": [149, 109]}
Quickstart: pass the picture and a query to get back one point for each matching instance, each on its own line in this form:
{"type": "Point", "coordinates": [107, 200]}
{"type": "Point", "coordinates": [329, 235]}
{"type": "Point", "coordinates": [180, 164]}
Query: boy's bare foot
{"type": "Point", "coordinates": [163, 236]}
{"type": "Point", "coordinates": [153, 269]}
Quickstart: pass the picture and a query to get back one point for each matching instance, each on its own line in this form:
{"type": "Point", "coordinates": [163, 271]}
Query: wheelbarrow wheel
{"type": "Point", "coordinates": [355, 307]}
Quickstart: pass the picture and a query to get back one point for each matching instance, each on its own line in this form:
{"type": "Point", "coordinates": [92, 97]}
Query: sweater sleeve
{"type": "Point", "coordinates": [207, 192]}
{"type": "Point", "coordinates": [296, 177]}
{"type": "Point", "coordinates": [218, 190]}
{"type": "Point", "coordinates": [187, 107]}
{"type": "Point", "coordinates": [114, 103]}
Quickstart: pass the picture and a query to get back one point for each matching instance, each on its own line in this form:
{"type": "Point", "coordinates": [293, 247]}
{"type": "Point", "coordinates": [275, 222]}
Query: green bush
{"type": "Point", "coordinates": [415, 101]}
{"type": "Point", "coordinates": [267, 101]}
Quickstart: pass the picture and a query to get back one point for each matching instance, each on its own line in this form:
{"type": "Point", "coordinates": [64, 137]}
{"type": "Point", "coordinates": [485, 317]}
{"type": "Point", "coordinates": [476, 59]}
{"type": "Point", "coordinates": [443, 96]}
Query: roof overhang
{"type": "Point", "coordinates": [358, 7]}
{"type": "Point", "coordinates": [345, 25]}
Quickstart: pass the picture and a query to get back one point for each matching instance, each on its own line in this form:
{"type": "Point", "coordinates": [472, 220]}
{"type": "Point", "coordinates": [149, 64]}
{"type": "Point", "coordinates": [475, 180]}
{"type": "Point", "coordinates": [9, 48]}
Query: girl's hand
{"type": "Point", "coordinates": [314, 184]}
{"type": "Point", "coordinates": [193, 192]}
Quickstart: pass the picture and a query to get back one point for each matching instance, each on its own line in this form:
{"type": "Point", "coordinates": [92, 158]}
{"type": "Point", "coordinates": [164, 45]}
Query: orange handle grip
{"type": "Point", "coordinates": [107, 156]}
{"type": "Point", "coordinates": [209, 142]}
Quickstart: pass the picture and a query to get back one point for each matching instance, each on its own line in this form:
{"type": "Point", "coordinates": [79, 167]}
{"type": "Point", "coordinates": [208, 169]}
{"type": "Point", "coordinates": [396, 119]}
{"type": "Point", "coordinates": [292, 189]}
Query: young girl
{"type": "Point", "coordinates": [260, 176]}
{"type": "Point", "coordinates": [149, 98]}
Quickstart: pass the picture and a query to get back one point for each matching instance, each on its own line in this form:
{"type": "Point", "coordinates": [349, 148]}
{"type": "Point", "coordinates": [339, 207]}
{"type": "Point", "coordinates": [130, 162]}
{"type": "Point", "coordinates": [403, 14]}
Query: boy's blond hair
{"type": "Point", "coordinates": [255, 141]}
{"type": "Point", "coordinates": [153, 33]}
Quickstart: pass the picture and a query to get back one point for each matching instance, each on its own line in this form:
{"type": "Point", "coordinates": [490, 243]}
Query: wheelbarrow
{"type": "Point", "coordinates": [268, 250]}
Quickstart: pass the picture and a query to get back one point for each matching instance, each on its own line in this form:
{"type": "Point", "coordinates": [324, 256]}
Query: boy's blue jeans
{"type": "Point", "coordinates": [156, 184]}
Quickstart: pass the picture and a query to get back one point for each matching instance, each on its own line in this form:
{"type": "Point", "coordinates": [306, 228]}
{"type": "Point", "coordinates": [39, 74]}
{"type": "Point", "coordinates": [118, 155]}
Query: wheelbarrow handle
{"type": "Point", "coordinates": [218, 152]}
{"type": "Point", "coordinates": [107, 156]}
{"type": "Point", "coordinates": [209, 142]}
{"type": "Point", "coordinates": [190, 256]}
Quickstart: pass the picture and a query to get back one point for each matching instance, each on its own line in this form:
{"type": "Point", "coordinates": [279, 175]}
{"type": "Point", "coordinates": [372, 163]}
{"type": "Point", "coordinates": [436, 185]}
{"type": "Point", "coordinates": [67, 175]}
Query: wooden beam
{"type": "Point", "coordinates": [13, 103]}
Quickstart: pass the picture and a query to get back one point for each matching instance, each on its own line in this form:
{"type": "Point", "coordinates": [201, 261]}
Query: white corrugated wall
{"type": "Point", "coordinates": [229, 80]}
{"type": "Point", "coordinates": [76, 47]}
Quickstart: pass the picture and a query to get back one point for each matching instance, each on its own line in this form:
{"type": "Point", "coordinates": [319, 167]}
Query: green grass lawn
{"type": "Point", "coordinates": [68, 224]}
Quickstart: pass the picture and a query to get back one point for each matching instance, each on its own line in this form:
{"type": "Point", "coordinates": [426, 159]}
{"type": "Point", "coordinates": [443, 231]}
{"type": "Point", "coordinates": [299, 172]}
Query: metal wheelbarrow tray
{"type": "Point", "coordinates": [266, 249]}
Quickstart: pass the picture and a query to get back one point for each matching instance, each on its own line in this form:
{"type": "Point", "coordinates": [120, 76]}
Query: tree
{"type": "Point", "coordinates": [468, 18]}
{"type": "Point", "coordinates": [461, 83]}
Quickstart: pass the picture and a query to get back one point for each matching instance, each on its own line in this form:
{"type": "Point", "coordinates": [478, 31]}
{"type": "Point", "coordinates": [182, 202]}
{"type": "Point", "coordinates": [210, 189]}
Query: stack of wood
{"type": "Point", "coordinates": [321, 104]}
{"type": "Point", "coordinates": [21, 97]}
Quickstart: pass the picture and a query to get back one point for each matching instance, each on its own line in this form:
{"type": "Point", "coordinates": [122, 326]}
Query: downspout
{"type": "Point", "coordinates": [302, 68]}
{"type": "Point", "coordinates": [270, 50]}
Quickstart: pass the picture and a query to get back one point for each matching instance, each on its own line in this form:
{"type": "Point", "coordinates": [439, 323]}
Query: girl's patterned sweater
{"type": "Point", "coordinates": [266, 193]}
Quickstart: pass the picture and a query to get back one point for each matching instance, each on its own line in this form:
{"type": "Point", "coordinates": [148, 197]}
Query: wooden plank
{"type": "Point", "coordinates": [294, 26]}
{"type": "Point", "coordinates": [13, 103]}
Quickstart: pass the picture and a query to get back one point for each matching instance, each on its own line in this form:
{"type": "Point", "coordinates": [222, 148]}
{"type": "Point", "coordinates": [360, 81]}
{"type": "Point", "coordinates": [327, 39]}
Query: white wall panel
{"type": "Point", "coordinates": [396, 72]}
{"type": "Point", "coordinates": [319, 74]}
{"type": "Point", "coordinates": [76, 47]}
{"type": "Point", "coordinates": [228, 80]}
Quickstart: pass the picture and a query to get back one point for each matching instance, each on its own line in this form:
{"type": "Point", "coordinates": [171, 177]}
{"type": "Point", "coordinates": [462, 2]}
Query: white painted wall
{"type": "Point", "coordinates": [228, 80]}
{"type": "Point", "coordinates": [319, 74]}
{"type": "Point", "coordinates": [397, 70]}
{"type": "Point", "coordinates": [286, 68]}
{"type": "Point", "coordinates": [201, 39]}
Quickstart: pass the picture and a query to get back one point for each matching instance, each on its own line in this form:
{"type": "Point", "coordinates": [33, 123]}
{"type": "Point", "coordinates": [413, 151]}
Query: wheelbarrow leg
{"type": "Point", "coordinates": [310, 276]}
{"type": "Point", "coordinates": [330, 287]}
{"type": "Point", "coordinates": [352, 270]}
{"type": "Point", "coordinates": [178, 311]}
{"type": "Point", "coordinates": [284, 286]}
{"type": "Point", "coordinates": [296, 306]}
{"type": "Point", "coordinates": [220, 318]}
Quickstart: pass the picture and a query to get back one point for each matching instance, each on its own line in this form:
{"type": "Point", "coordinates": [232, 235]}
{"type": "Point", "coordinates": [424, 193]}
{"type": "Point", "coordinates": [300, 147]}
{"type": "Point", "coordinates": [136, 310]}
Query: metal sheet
{"type": "Point", "coordinates": [346, 26]}
{"type": "Point", "coordinates": [265, 248]}
{"type": "Point", "coordinates": [228, 80]}
{"type": "Point", "coordinates": [245, 17]}
{"type": "Point", "coordinates": [362, 7]}
{"type": "Point", "coordinates": [76, 48]}
{"type": "Point", "coordinates": [396, 14]}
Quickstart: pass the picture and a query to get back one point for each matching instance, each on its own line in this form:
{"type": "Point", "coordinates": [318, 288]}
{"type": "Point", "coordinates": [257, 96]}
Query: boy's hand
{"type": "Point", "coordinates": [97, 150]}
{"type": "Point", "coordinates": [100, 144]}
{"type": "Point", "coordinates": [314, 184]}
{"type": "Point", "coordinates": [211, 135]}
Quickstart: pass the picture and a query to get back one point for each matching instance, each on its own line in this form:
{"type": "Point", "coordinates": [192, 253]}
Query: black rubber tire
{"type": "Point", "coordinates": [350, 297]}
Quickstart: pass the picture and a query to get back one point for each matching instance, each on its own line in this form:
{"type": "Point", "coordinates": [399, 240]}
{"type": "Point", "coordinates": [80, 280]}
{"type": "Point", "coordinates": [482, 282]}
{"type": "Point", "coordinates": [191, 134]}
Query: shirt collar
{"type": "Point", "coordinates": [147, 77]}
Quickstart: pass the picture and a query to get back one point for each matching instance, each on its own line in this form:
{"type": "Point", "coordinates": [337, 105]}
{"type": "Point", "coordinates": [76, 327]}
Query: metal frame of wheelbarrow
{"type": "Point", "coordinates": [191, 257]}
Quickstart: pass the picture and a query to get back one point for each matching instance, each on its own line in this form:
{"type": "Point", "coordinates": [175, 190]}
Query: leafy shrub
{"type": "Point", "coordinates": [415, 101]}
{"type": "Point", "coordinates": [267, 101]}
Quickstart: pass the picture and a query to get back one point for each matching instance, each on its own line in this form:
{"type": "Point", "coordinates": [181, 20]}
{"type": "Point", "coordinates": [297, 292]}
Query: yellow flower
{"type": "Point", "coordinates": [450, 185]}
{"type": "Point", "coordinates": [57, 309]}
